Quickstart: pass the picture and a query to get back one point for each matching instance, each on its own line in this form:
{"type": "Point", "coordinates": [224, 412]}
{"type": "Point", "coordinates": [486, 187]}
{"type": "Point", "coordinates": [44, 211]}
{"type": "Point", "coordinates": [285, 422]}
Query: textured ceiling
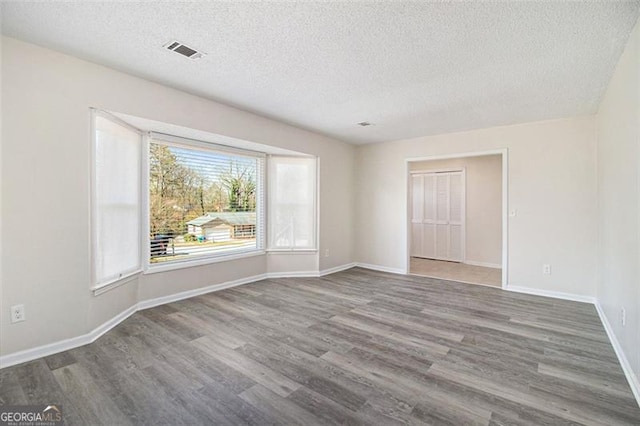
{"type": "Point", "coordinates": [412, 69]}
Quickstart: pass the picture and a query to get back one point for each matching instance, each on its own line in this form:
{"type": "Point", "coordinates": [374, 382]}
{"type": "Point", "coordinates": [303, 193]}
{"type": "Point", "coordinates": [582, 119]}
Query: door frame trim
{"type": "Point", "coordinates": [504, 153]}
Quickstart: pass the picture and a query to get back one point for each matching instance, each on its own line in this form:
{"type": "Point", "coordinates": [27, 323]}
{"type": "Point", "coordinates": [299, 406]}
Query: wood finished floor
{"type": "Point", "coordinates": [356, 347]}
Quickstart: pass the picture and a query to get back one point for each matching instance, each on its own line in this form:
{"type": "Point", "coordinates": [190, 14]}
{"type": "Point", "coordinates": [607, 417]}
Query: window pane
{"type": "Point", "coordinates": [292, 192]}
{"type": "Point", "coordinates": [117, 200]}
{"type": "Point", "coordinates": [202, 202]}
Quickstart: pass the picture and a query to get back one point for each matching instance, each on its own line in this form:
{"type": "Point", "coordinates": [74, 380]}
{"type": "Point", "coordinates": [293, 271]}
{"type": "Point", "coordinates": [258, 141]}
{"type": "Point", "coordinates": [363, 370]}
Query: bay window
{"type": "Point", "coordinates": [161, 202]}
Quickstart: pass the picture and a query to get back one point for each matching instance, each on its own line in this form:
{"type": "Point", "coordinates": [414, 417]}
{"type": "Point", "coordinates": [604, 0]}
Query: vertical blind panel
{"type": "Point", "coordinates": [117, 200]}
{"type": "Point", "coordinates": [292, 207]}
{"type": "Point", "coordinates": [455, 210]}
{"type": "Point", "coordinates": [202, 202]}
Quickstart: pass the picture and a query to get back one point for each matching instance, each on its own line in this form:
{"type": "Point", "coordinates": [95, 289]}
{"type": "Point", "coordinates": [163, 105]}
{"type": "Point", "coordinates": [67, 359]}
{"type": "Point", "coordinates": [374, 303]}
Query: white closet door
{"type": "Point", "coordinates": [442, 216]}
{"type": "Point", "coordinates": [417, 197]}
{"type": "Point", "coordinates": [429, 218]}
{"type": "Point", "coordinates": [437, 221]}
{"type": "Point", "coordinates": [456, 216]}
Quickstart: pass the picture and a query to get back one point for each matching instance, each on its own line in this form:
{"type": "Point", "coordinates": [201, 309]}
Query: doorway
{"type": "Point", "coordinates": [456, 218]}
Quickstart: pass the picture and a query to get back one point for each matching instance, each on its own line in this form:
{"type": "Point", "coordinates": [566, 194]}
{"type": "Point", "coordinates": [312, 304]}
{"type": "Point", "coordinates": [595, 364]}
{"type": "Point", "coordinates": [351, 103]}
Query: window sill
{"type": "Point", "coordinates": [292, 251]}
{"type": "Point", "coordinates": [105, 287]}
{"type": "Point", "coordinates": [172, 266]}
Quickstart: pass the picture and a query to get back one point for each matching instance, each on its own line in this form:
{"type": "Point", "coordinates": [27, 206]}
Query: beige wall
{"type": "Point", "coordinates": [483, 203]}
{"type": "Point", "coordinates": [619, 199]}
{"type": "Point", "coordinates": [552, 185]}
{"type": "Point", "coordinates": [45, 180]}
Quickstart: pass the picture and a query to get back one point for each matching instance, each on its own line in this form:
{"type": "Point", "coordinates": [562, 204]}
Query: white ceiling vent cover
{"type": "Point", "coordinates": [184, 50]}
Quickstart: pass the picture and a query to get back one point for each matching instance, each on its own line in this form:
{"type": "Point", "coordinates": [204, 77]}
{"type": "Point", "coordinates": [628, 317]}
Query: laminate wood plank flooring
{"type": "Point", "coordinates": [357, 347]}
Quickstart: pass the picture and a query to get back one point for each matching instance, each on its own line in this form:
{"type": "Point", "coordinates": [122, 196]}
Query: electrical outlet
{"type": "Point", "coordinates": [546, 269]}
{"type": "Point", "coordinates": [623, 316]}
{"type": "Point", "coordinates": [326, 253]}
{"type": "Point", "coordinates": [17, 313]}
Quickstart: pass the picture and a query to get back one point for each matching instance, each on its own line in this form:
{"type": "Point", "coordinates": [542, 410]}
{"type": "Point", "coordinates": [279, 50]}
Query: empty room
{"type": "Point", "coordinates": [320, 212]}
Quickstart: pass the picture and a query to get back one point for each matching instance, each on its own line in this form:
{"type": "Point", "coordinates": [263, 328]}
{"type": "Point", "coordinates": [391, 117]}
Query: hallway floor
{"type": "Point", "coordinates": [456, 272]}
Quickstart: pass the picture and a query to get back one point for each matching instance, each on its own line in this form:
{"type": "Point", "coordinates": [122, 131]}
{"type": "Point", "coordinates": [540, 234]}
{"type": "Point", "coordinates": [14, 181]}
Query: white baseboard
{"type": "Point", "coordinates": [66, 344]}
{"type": "Point", "coordinates": [483, 264]}
{"type": "Point", "coordinates": [310, 274]}
{"type": "Point", "coordinates": [293, 274]}
{"type": "Point", "coordinates": [634, 384]}
{"type": "Point", "coordinates": [150, 303]}
{"type": "Point", "coordinates": [337, 269]}
{"type": "Point", "coordinates": [553, 294]}
{"type": "Point", "coordinates": [381, 268]}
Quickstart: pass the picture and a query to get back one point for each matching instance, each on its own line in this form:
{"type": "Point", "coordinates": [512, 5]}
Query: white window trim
{"type": "Point", "coordinates": [261, 212]}
{"type": "Point", "coordinates": [110, 285]}
{"type": "Point", "coordinates": [203, 260]}
{"type": "Point", "coordinates": [125, 276]}
{"type": "Point", "coordinates": [209, 146]}
{"type": "Point", "coordinates": [292, 250]}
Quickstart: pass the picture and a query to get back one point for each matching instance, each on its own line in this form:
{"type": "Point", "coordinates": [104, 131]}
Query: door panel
{"type": "Point", "coordinates": [437, 221]}
{"type": "Point", "coordinates": [455, 239]}
{"type": "Point", "coordinates": [417, 191]}
{"type": "Point", "coordinates": [429, 198]}
{"type": "Point", "coordinates": [429, 240]}
{"type": "Point", "coordinates": [442, 198]}
{"type": "Point", "coordinates": [417, 240]}
{"type": "Point", "coordinates": [442, 241]}
{"type": "Point", "coordinates": [455, 198]}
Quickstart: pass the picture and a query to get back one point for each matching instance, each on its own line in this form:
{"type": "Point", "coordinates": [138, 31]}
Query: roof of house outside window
{"type": "Point", "coordinates": [229, 218]}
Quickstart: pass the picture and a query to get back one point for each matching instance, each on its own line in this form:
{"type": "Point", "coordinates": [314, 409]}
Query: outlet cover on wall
{"type": "Point", "coordinates": [17, 313]}
{"type": "Point", "coordinates": [546, 269]}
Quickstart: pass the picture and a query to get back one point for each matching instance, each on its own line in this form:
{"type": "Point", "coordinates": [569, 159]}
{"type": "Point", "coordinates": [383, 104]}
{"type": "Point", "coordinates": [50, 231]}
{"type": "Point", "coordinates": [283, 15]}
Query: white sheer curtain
{"type": "Point", "coordinates": [116, 200]}
{"type": "Point", "coordinates": [292, 202]}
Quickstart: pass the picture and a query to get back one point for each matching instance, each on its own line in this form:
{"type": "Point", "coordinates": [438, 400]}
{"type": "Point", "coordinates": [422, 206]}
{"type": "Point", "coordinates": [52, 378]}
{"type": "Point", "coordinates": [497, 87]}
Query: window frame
{"type": "Point", "coordinates": [261, 200]}
{"type": "Point", "coordinates": [128, 275]}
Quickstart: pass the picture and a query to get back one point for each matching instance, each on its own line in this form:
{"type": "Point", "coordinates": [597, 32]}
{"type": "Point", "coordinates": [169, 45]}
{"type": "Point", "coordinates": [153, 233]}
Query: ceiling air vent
{"type": "Point", "coordinates": [180, 48]}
